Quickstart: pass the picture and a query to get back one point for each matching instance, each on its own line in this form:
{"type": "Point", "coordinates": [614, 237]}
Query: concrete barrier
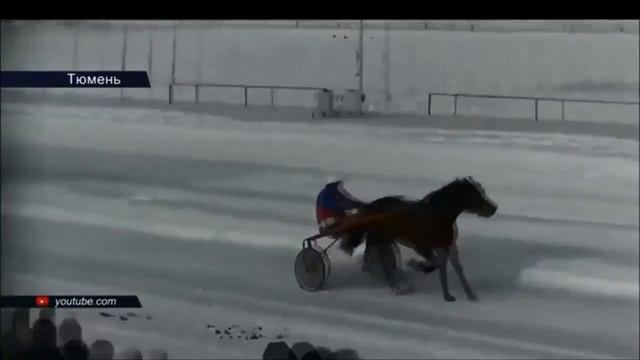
{"type": "Point", "coordinates": [400, 67]}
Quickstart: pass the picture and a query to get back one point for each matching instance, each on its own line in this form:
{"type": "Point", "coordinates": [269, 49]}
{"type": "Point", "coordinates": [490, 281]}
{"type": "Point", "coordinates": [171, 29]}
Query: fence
{"type": "Point", "coordinates": [174, 55]}
{"type": "Point", "coordinates": [535, 101]}
{"type": "Point", "coordinates": [245, 88]}
{"type": "Point", "coordinates": [400, 67]}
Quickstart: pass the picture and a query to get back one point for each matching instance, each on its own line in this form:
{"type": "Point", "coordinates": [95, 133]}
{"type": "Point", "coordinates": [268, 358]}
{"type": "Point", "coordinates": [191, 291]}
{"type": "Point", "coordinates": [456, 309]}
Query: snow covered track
{"type": "Point", "coordinates": [204, 224]}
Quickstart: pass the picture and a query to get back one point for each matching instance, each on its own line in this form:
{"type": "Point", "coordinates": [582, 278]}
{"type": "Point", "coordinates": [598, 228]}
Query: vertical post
{"type": "Point", "coordinates": [102, 33]}
{"type": "Point", "coordinates": [124, 56]}
{"type": "Point", "coordinates": [150, 56]}
{"type": "Point", "coordinates": [173, 63]}
{"type": "Point", "coordinates": [272, 102]}
{"type": "Point", "coordinates": [562, 116]}
{"type": "Point", "coordinates": [246, 96]}
{"type": "Point", "coordinates": [455, 104]}
{"type": "Point", "coordinates": [535, 106]}
{"type": "Point", "coordinates": [76, 46]}
{"type": "Point", "coordinates": [199, 55]}
{"type": "Point", "coordinates": [429, 104]}
{"type": "Point", "coordinates": [361, 63]}
{"type": "Point", "coordinates": [386, 62]}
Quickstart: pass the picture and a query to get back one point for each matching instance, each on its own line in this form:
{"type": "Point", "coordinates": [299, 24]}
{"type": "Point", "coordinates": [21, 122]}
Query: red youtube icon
{"type": "Point", "coordinates": [42, 301]}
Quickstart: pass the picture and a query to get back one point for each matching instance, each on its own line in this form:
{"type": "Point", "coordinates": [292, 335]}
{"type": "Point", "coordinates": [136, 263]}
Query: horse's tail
{"type": "Point", "coordinates": [353, 239]}
{"type": "Point", "coordinates": [355, 236]}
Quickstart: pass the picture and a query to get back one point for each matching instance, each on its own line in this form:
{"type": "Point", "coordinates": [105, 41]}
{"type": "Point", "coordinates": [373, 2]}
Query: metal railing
{"type": "Point", "coordinates": [535, 100]}
{"type": "Point", "coordinates": [245, 88]}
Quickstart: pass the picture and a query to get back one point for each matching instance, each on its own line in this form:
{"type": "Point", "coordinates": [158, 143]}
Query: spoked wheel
{"type": "Point", "coordinates": [312, 268]}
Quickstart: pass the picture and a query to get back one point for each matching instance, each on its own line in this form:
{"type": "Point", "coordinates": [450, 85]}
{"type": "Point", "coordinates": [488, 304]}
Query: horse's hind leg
{"type": "Point", "coordinates": [395, 277]}
{"type": "Point", "coordinates": [367, 259]}
{"type": "Point", "coordinates": [425, 266]}
{"type": "Point", "coordinates": [421, 266]}
{"type": "Point", "coordinates": [389, 265]}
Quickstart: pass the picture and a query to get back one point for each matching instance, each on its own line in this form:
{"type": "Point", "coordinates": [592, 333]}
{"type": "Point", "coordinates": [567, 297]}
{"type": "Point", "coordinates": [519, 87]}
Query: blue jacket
{"type": "Point", "coordinates": [335, 199]}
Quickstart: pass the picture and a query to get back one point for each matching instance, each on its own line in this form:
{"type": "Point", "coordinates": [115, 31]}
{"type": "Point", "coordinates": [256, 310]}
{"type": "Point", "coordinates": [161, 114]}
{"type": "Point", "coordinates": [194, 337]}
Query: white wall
{"type": "Point", "coordinates": [542, 64]}
{"type": "Point", "coordinates": [576, 26]}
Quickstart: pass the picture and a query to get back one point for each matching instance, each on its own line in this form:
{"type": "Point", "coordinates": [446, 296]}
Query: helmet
{"type": "Point", "coordinates": [331, 179]}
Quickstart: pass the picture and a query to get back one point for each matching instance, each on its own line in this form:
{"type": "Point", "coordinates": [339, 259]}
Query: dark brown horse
{"type": "Point", "coordinates": [428, 226]}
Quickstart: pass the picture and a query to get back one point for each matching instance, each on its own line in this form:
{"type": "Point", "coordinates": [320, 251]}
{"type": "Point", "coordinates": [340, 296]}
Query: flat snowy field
{"type": "Point", "coordinates": [204, 225]}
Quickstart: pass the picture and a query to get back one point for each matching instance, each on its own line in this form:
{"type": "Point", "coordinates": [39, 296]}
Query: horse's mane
{"type": "Point", "coordinates": [442, 196]}
{"type": "Point", "coordinates": [399, 197]}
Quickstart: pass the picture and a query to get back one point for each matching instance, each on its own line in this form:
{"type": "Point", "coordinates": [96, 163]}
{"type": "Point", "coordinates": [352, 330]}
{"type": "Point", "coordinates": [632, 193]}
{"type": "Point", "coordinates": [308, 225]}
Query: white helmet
{"type": "Point", "coordinates": [331, 178]}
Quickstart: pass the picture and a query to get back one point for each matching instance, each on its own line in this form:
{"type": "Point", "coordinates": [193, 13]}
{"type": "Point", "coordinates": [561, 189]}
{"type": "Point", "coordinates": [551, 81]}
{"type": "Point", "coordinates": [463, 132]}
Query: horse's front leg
{"type": "Point", "coordinates": [441, 257]}
{"type": "Point", "coordinates": [457, 267]}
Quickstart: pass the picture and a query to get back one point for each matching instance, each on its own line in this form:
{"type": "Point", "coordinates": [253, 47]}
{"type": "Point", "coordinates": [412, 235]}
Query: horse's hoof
{"type": "Point", "coordinates": [449, 297]}
{"type": "Point", "coordinates": [472, 297]}
{"type": "Point", "coordinates": [429, 269]}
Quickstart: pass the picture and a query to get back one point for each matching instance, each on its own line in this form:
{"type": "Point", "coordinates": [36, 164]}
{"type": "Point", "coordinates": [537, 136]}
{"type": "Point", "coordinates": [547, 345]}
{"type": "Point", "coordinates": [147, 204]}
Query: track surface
{"type": "Point", "coordinates": [204, 223]}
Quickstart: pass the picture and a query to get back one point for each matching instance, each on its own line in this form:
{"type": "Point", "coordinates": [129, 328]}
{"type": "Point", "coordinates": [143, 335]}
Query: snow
{"type": "Point", "coordinates": [203, 223]}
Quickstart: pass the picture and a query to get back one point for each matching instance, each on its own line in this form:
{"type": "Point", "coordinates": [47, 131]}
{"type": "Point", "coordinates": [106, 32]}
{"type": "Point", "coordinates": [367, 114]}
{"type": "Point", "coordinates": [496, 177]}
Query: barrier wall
{"type": "Point", "coordinates": [575, 26]}
{"type": "Point", "coordinates": [400, 66]}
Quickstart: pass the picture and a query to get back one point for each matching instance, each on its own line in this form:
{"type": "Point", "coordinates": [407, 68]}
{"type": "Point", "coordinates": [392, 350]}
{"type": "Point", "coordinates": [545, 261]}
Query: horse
{"type": "Point", "coordinates": [428, 226]}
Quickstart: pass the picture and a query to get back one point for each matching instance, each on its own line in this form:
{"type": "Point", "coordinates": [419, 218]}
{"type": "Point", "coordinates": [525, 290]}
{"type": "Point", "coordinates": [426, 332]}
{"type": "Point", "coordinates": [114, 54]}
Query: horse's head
{"type": "Point", "coordinates": [476, 200]}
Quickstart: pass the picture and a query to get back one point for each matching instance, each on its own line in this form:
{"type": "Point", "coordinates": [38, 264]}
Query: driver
{"type": "Point", "coordinates": [334, 204]}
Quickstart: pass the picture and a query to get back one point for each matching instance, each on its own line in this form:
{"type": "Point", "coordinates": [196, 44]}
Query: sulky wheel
{"type": "Point", "coordinates": [312, 268]}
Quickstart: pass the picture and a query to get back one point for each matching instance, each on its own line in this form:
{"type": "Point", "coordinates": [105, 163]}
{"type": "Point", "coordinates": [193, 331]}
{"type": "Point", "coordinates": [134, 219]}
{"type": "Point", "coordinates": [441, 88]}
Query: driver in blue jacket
{"type": "Point", "coordinates": [333, 204]}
